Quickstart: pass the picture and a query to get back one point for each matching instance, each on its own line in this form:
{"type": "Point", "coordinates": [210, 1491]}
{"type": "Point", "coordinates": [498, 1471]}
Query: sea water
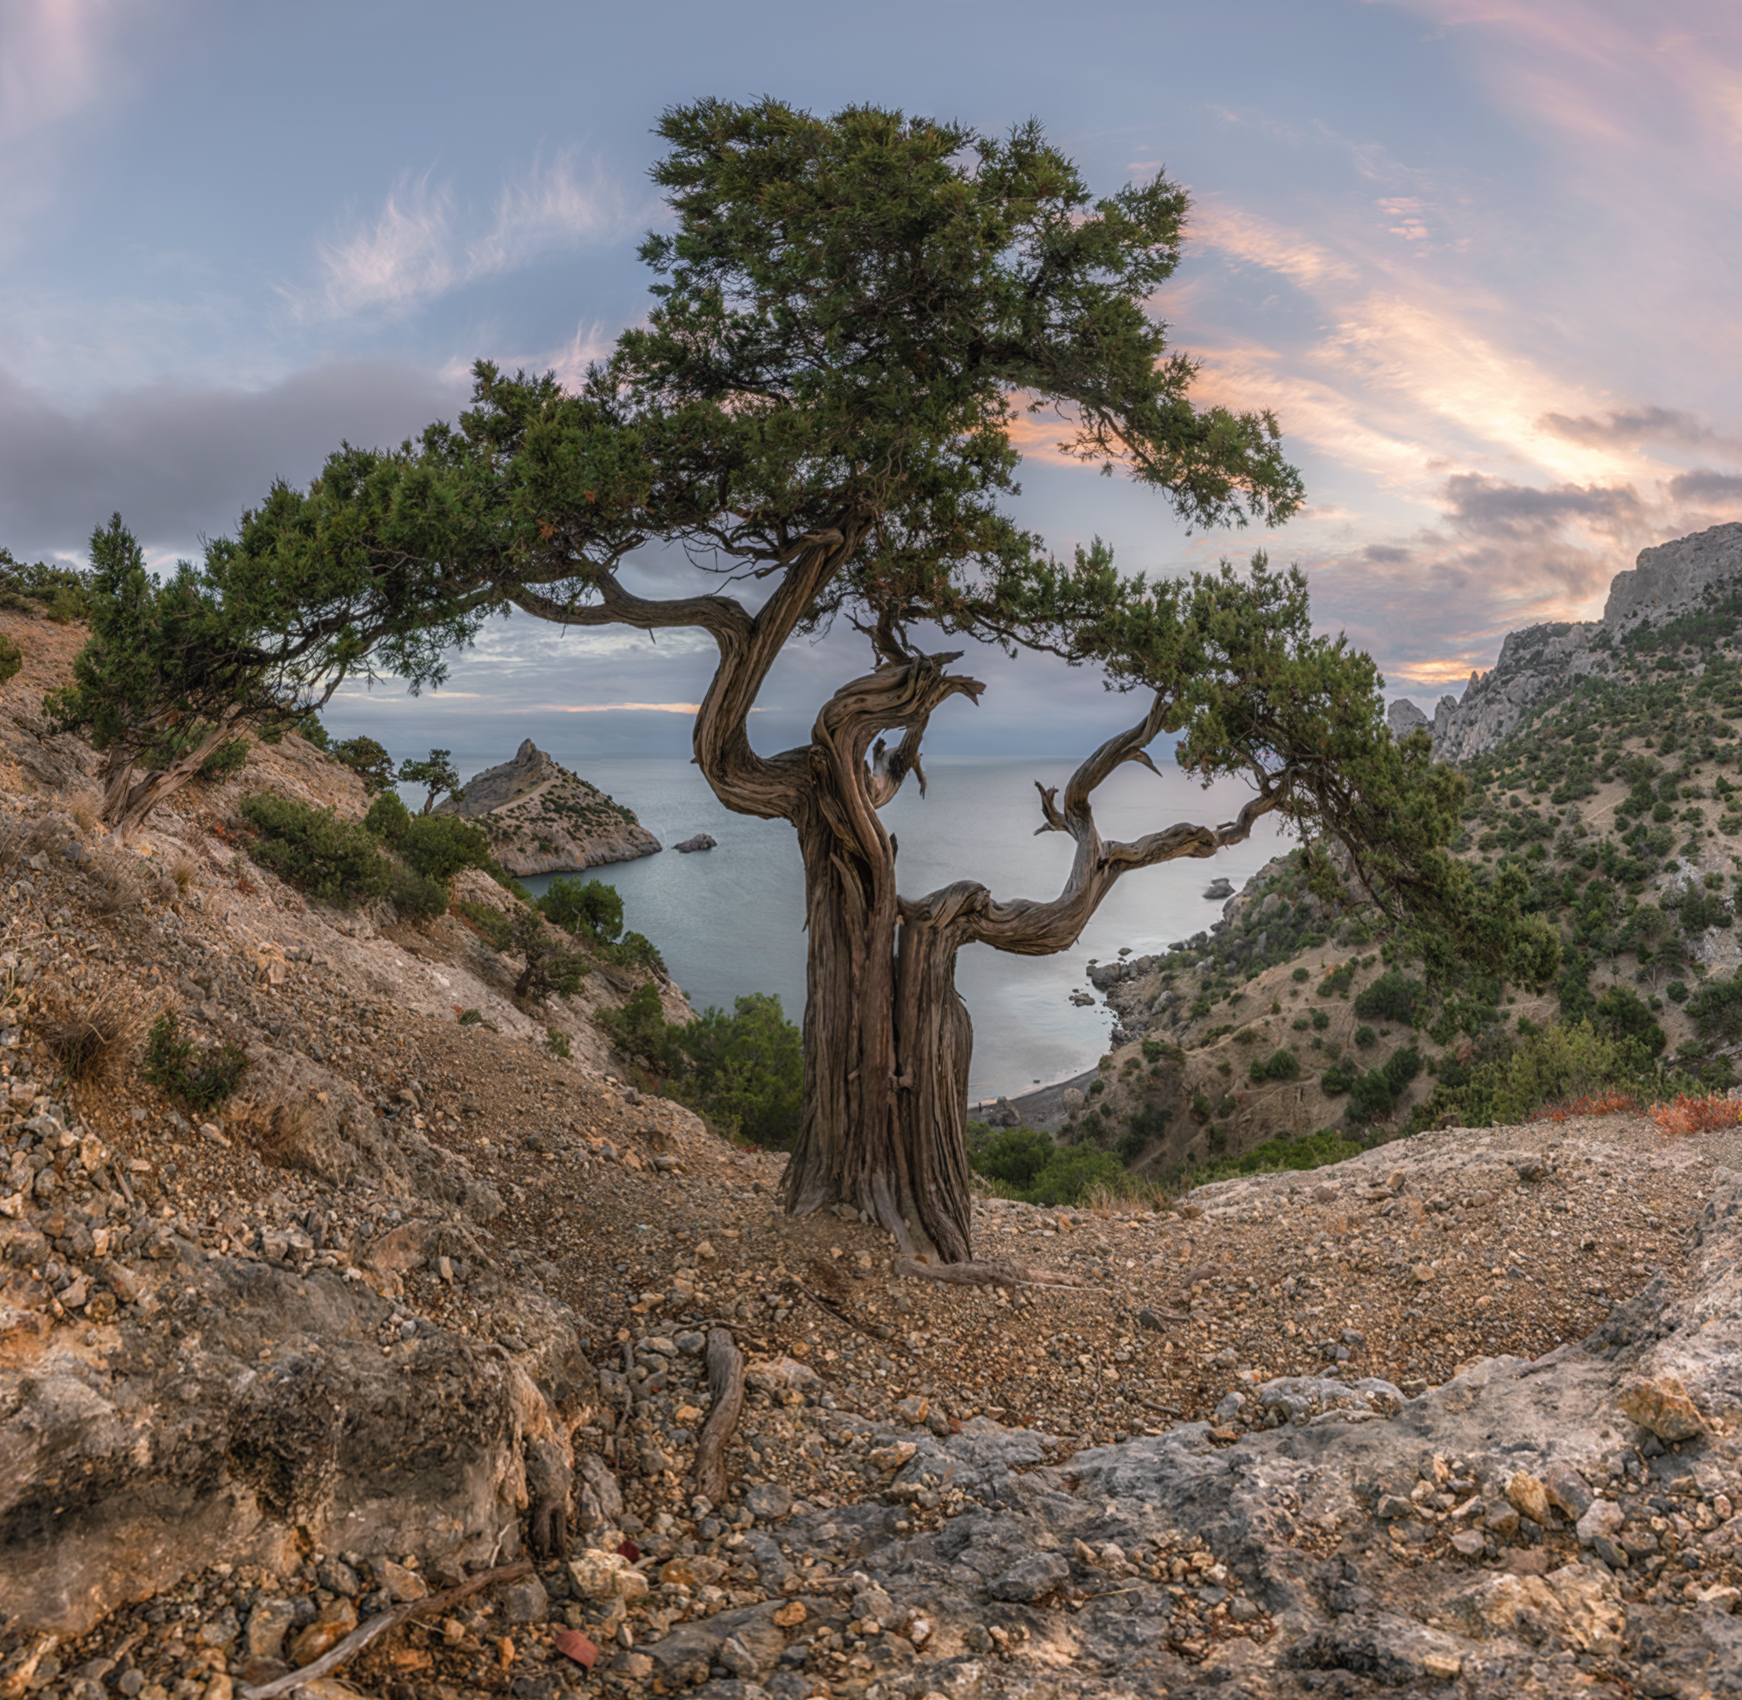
{"type": "Point", "coordinates": [730, 920]}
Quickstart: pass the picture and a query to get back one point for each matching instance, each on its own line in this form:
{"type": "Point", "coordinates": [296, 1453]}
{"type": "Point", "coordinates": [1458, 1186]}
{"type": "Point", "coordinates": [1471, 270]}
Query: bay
{"type": "Point", "coordinates": [729, 921]}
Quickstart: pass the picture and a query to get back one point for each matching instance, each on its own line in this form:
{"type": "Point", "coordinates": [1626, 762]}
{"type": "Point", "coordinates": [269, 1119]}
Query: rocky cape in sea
{"type": "Point", "coordinates": [1690, 575]}
{"type": "Point", "coordinates": [543, 819]}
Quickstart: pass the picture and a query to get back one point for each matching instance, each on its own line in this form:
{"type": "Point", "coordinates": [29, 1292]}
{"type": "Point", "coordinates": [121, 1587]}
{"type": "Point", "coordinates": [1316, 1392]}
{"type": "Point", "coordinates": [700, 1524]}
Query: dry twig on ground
{"type": "Point", "coordinates": [379, 1625]}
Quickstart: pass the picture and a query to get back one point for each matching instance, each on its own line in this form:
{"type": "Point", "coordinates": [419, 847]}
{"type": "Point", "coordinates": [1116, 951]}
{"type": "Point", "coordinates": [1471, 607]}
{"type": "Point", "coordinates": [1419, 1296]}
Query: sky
{"type": "Point", "coordinates": [1478, 255]}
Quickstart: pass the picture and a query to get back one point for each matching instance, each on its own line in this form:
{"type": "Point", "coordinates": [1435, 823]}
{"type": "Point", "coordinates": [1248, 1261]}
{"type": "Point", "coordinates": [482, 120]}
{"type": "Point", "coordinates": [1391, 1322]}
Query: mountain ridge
{"type": "Point", "coordinates": [1683, 577]}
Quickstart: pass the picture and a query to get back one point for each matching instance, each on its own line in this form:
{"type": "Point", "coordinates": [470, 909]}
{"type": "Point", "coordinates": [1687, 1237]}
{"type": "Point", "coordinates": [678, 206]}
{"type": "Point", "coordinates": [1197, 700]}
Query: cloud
{"type": "Point", "coordinates": [1492, 508]}
{"type": "Point", "coordinates": [178, 462]}
{"type": "Point", "coordinates": [1705, 485]}
{"type": "Point", "coordinates": [614, 707]}
{"type": "Point", "coordinates": [418, 247]}
{"type": "Point", "coordinates": [1644, 424]}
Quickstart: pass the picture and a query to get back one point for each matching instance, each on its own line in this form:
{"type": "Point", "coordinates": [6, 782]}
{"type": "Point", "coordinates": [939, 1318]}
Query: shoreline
{"type": "Point", "coordinates": [1043, 1107]}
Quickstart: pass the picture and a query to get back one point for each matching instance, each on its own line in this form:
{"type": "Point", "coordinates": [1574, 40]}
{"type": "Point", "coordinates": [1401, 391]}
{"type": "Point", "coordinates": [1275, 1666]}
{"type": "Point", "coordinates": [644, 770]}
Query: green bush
{"type": "Point", "coordinates": [440, 846]}
{"type": "Point", "coordinates": [1716, 1009]}
{"type": "Point", "coordinates": [1337, 982]}
{"type": "Point", "coordinates": [1074, 1172]}
{"type": "Point", "coordinates": [11, 658]}
{"type": "Point", "coordinates": [388, 817]}
{"type": "Point", "coordinates": [1023, 1163]}
{"type": "Point", "coordinates": [1509, 1082]}
{"type": "Point", "coordinates": [1623, 1014]}
{"type": "Point", "coordinates": [436, 847]}
{"type": "Point", "coordinates": [1366, 1038]}
{"type": "Point", "coordinates": [369, 761]}
{"type": "Point", "coordinates": [1276, 1155]}
{"type": "Point", "coordinates": [550, 970]}
{"type": "Point", "coordinates": [492, 923]}
{"type": "Point", "coordinates": [744, 1070]}
{"type": "Point", "coordinates": [556, 1041]}
{"type": "Point", "coordinates": [227, 758]}
{"type": "Point", "coordinates": [1374, 1093]}
{"type": "Point", "coordinates": [331, 859]}
{"type": "Point", "coordinates": [200, 1079]}
{"type": "Point", "coordinates": [1392, 997]}
{"type": "Point", "coordinates": [1676, 991]}
{"type": "Point", "coordinates": [1279, 1065]}
{"type": "Point", "coordinates": [1011, 1156]}
{"type": "Point", "coordinates": [592, 911]}
{"type": "Point", "coordinates": [416, 897]}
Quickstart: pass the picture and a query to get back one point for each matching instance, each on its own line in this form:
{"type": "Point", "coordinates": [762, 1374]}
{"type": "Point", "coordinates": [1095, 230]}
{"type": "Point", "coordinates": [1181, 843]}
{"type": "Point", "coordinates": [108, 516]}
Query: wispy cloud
{"type": "Point", "coordinates": [423, 243]}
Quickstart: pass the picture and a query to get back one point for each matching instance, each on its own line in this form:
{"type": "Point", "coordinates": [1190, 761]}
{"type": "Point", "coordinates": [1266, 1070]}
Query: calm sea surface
{"type": "Point", "coordinates": [730, 921]}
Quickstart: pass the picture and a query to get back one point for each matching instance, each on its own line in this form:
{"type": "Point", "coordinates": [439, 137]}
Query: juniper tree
{"type": "Point", "coordinates": [176, 668]}
{"type": "Point", "coordinates": [850, 315]}
{"type": "Point", "coordinates": [436, 773]}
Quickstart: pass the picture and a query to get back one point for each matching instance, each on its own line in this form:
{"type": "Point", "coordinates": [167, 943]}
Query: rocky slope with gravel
{"type": "Point", "coordinates": [1458, 1416]}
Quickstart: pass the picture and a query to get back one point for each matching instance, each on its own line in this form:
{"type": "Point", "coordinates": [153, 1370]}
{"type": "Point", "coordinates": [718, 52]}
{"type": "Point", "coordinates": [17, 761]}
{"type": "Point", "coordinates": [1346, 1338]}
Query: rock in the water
{"type": "Point", "coordinates": [1218, 889]}
{"type": "Point", "coordinates": [701, 841]}
{"type": "Point", "coordinates": [542, 819]}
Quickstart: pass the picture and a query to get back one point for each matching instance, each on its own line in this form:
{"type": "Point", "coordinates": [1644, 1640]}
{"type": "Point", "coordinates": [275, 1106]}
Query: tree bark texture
{"type": "Point", "coordinates": [128, 799]}
{"type": "Point", "coordinates": [887, 1038]}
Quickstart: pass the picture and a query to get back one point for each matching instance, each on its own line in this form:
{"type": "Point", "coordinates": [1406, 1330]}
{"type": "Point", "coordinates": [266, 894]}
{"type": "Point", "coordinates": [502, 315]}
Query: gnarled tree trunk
{"type": "Point", "coordinates": [888, 1039]}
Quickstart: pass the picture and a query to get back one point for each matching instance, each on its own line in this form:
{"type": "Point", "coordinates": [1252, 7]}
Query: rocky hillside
{"type": "Point", "coordinates": [542, 819]}
{"type": "Point", "coordinates": [1613, 789]}
{"type": "Point", "coordinates": [1459, 1415]}
{"type": "Point", "coordinates": [1691, 582]}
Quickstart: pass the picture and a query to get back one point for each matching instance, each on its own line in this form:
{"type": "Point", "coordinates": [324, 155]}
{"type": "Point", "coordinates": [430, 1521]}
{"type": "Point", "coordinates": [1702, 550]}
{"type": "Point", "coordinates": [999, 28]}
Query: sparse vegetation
{"type": "Point", "coordinates": [200, 1078]}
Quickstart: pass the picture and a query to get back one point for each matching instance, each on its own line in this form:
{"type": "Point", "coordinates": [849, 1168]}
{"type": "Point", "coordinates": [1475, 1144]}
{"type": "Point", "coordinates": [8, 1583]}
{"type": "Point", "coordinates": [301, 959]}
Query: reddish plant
{"type": "Point", "coordinates": [1683, 1114]}
{"type": "Point", "coordinates": [1598, 1104]}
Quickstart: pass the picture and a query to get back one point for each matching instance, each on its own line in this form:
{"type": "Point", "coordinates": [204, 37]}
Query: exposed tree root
{"type": "Point", "coordinates": [726, 1403]}
{"type": "Point", "coordinates": [379, 1625]}
{"type": "Point", "coordinates": [992, 1272]}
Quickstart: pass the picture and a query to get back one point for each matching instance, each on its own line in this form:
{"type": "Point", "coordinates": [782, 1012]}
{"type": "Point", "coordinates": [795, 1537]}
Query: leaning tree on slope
{"type": "Point", "coordinates": [851, 317]}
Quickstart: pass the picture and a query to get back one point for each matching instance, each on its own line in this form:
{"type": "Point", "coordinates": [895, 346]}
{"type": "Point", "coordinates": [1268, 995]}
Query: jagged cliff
{"type": "Point", "coordinates": [1674, 580]}
{"type": "Point", "coordinates": [543, 819]}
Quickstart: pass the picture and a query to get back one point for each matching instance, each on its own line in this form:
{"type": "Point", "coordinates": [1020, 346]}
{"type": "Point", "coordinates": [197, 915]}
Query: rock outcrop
{"type": "Point", "coordinates": [544, 819]}
{"type": "Point", "coordinates": [1403, 717]}
{"type": "Point", "coordinates": [1669, 580]}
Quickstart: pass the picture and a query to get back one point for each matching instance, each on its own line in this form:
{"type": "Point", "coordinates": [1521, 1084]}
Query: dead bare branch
{"type": "Point", "coordinates": [726, 1404]}
{"type": "Point", "coordinates": [379, 1625]}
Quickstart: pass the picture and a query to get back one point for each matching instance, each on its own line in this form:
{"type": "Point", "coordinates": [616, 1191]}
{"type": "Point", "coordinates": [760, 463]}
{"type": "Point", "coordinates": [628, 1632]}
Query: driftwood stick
{"type": "Point", "coordinates": [726, 1396]}
{"type": "Point", "coordinates": [379, 1625]}
{"type": "Point", "coordinates": [993, 1272]}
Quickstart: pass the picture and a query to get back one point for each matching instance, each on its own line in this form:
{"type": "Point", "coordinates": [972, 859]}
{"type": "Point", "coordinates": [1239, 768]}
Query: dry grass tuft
{"type": "Point", "coordinates": [114, 890]}
{"type": "Point", "coordinates": [85, 817]}
{"type": "Point", "coordinates": [91, 1037]}
{"type": "Point", "coordinates": [182, 871]}
{"type": "Point", "coordinates": [276, 1128]}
